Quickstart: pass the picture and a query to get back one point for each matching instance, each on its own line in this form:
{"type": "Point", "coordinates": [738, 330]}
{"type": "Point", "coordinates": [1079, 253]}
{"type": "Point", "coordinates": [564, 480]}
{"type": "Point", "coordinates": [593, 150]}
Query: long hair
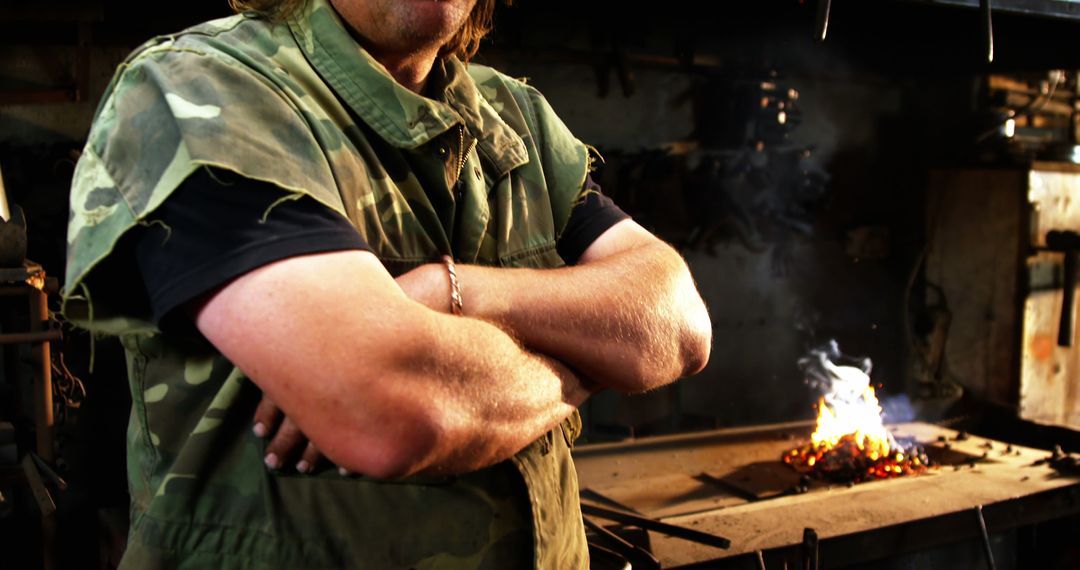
{"type": "Point", "coordinates": [463, 44]}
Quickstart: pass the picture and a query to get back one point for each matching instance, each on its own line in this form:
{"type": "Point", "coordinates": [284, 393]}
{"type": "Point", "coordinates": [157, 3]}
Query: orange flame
{"type": "Point", "coordinates": [863, 424]}
{"type": "Point", "coordinates": [851, 443]}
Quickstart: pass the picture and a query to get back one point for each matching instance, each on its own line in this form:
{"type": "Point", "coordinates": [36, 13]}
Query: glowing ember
{"type": "Point", "coordinates": [851, 443]}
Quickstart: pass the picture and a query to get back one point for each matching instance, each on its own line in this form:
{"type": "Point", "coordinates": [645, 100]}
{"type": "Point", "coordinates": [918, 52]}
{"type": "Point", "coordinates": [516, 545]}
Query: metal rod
{"type": "Point", "coordinates": [760, 560]}
{"type": "Point", "coordinates": [985, 538]}
{"type": "Point", "coordinates": [824, 7]}
{"type": "Point", "coordinates": [986, 16]}
{"type": "Point", "coordinates": [43, 420]}
{"type": "Point", "coordinates": [655, 525]}
{"type": "Point", "coordinates": [810, 550]}
{"type": "Point", "coordinates": [5, 211]}
{"type": "Point", "coordinates": [639, 558]}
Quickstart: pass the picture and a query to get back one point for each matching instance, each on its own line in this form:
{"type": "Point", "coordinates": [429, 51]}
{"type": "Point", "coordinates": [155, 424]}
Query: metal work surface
{"type": "Point", "coordinates": [731, 483]}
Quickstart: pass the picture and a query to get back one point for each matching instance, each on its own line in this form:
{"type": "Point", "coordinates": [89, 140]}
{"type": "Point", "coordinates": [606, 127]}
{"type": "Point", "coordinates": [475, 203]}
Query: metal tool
{"type": "Point", "coordinates": [654, 525]}
{"type": "Point", "coordinates": [37, 487]}
{"type": "Point", "coordinates": [824, 7]}
{"type": "Point", "coordinates": [985, 538]}
{"type": "Point", "coordinates": [986, 16]}
{"type": "Point", "coordinates": [5, 212]}
{"type": "Point", "coordinates": [603, 557]}
{"type": "Point", "coordinates": [639, 558]}
{"type": "Point", "coordinates": [48, 472]}
{"type": "Point", "coordinates": [811, 559]}
{"type": "Point", "coordinates": [1067, 242]}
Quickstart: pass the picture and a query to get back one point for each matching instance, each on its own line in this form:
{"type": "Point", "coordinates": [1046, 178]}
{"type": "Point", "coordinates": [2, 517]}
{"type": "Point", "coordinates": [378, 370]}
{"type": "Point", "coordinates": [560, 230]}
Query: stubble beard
{"type": "Point", "coordinates": [415, 29]}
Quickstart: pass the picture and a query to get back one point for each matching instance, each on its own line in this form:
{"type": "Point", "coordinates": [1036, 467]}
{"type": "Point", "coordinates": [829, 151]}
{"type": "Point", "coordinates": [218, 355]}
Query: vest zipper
{"type": "Point", "coordinates": [462, 159]}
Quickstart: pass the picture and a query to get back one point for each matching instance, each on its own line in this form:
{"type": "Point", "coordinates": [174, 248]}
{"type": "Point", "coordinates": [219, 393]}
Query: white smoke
{"type": "Point", "coordinates": [836, 376]}
{"type": "Point", "coordinates": [844, 385]}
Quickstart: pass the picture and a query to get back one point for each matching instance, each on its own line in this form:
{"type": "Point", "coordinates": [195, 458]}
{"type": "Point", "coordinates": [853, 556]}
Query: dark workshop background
{"type": "Point", "coordinates": [791, 173]}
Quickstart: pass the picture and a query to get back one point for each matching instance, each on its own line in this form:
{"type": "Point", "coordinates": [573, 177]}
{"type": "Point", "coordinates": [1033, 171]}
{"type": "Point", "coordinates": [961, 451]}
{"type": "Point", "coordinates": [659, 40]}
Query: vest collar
{"type": "Point", "coordinates": [496, 142]}
{"type": "Point", "coordinates": [401, 117]}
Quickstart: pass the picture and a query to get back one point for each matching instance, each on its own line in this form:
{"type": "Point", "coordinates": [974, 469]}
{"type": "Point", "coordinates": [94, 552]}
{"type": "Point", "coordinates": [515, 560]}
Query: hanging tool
{"type": "Point", "coordinates": [1067, 242]}
{"type": "Point", "coordinates": [986, 18]}
{"type": "Point", "coordinates": [41, 495]}
{"type": "Point", "coordinates": [48, 472]}
{"type": "Point", "coordinates": [822, 28]}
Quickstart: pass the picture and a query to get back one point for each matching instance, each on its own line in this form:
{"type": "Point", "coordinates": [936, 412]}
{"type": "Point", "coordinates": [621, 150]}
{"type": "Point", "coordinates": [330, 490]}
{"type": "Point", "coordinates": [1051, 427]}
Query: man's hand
{"type": "Point", "coordinates": [287, 439]}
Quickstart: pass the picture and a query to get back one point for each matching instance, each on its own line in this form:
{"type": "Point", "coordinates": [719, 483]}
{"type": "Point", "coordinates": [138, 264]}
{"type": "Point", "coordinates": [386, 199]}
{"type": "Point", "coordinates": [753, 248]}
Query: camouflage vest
{"type": "Point", "coordinates": [483, 170]}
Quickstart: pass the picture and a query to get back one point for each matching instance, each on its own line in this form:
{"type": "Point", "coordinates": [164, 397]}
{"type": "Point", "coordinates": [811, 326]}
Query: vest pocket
{"type": "Point", "coordinates": [571, 428]}
{"type": "Point", "coordinates": [543, 256]}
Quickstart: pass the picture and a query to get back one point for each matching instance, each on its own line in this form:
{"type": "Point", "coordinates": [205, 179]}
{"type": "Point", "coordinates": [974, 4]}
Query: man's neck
{"type": "Point", "coordinates": [410, 70]}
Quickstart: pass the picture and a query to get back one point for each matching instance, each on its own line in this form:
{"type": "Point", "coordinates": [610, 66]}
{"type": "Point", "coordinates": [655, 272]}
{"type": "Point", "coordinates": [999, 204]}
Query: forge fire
{"type": "Point", "coordinates": [851, 443]}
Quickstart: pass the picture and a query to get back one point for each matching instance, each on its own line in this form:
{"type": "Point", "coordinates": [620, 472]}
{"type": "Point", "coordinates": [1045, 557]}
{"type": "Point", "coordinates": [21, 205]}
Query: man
{"type": "Point", "coordinates": [260, 212]}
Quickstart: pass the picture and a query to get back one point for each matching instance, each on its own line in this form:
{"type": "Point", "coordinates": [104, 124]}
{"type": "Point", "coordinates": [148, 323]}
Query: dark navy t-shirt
{"type": "Point", "coordinates": [209, 235]}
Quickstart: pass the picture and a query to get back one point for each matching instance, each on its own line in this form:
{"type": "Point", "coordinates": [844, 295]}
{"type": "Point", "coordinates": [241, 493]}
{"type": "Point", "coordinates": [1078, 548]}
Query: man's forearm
{"type": "Point", "coordinates": [486, 397]}
{"type": "Point", "coordinates": [631, 321]}
{"type": "Point", "coordinates": [382, 385]}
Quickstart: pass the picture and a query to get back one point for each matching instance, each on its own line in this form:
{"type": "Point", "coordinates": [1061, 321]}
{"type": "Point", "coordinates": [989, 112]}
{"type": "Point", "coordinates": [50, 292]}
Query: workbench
{"type": "Point", "coordinates": [732, 483]}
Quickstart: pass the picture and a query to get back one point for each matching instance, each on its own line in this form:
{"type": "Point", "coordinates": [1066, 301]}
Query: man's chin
{"type": "Point", "coordinates": [437, 18]}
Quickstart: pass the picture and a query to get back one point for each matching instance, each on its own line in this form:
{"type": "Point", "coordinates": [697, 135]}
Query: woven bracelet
{"type": "Point", "coordinates": [456, 306]}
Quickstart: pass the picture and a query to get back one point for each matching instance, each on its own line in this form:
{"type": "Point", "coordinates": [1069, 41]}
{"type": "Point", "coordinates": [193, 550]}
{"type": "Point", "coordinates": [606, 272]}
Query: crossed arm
{"type": "Point", "coordinates": [384, 383]}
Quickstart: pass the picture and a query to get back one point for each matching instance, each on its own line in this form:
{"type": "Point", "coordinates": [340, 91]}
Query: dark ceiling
{"type": "Point", "coordinates": [891, 36]}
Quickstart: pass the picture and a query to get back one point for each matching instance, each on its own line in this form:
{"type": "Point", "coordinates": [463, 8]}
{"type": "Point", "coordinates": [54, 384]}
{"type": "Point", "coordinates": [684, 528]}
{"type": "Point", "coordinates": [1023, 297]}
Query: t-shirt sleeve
{"type": "Point", "coordinates": [590, 218]}
{"type": "Point", "coordinates": [217, 226]}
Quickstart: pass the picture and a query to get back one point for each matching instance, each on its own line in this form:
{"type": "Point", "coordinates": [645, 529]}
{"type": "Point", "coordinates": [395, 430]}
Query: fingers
{"type": "Point", "coordinates": [285, 441]}
{"type": "Point", "coordinates": [309, 459]}
{"type": "Point", "coordinates": [287, 438]}
{"type": "Point", "coordinates": [267, 415]}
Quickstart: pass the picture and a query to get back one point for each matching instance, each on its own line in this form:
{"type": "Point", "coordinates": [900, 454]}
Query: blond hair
{"type": "Point", "coordinates": [463, 44]}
